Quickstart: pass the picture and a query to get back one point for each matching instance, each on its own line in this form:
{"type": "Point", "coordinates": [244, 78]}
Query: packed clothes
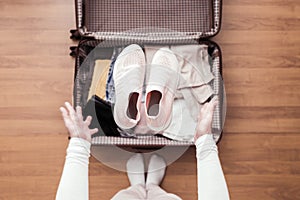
{"type": "Point", "coordinates": [192, 89]}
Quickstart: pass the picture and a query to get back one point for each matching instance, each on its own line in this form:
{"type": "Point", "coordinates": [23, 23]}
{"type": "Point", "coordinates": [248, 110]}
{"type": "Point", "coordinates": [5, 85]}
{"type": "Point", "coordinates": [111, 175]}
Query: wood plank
{"type": "Point", "coordinates": [261, 76]}
{"type": "Point", "coordinates": [256, 48]}
{"type": "Point", "coordinates": [36, 87]}
{"type": "Point", "coordinates": [28, 187]}
{"type": "Point", "coordinates": [42, 15]}
{"type": "Point", "coordinates": [35, 23]}
{"type": "Point", "coordinates": [270, 167]}
{"type": "Point", "coordinates": [262, 43]}
{"type": "Point", "coordinates": [277, 119]}
{"type": "Point", "coordinates": [34, 62]}
{"type": "Point", "coordinates": [36, 36]}
{"type": "Point", "coordinates": [27, 113]}
{"type": "Point", "coordinates": [43, 43]}
{"type": "Point", "coordinates": [246, 3]}
{"type": "Point", "coordinates": [56, 11]}
{"type": "Point", "coordinates": [261, 24]}
{"type": "Point", "coordinates": [287, 11]}
{"type": "Point", "coordinates": [233, 62]}
{"type": "Point", "coordinates": [41, 2]}
{"type": "Point", "coordinates": [262, 126]}
{"type": "Point", "coordinates": [241, 22]}
{"type": "Point", "coordinates": [269, 39]}
{"type": "Point", "coordinates": [44, 101]}
{"type": "Point", "coordinates": [22, 87]}
{"type": "Point", "coordinates": [267, 147]}
{"type": "Point", "coordinates": [32, 126]}
{"type": "Point", "coordinates": [262, 113]}
{"type": "Point", "coordinates": [262, 100]}
{"type": "Point", "coordinates": [264, 187]}
{"type": "Point", "coordinates": [262, 87]}
{"type": "Point", "coordinates": [8, 75]}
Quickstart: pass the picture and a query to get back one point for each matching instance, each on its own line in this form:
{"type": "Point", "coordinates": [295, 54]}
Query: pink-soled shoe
{"type": "Point", "coordinates": [129, 72]}
{"type": "Point", "coordinates": [160, 89]}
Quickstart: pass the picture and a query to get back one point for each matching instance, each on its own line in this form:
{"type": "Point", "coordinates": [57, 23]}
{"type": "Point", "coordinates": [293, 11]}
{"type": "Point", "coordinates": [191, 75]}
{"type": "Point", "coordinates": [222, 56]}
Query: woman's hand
{"type": "Point", "coordinates": [205, 118]}
{"type": "Point", "coordinates": [75, 124]}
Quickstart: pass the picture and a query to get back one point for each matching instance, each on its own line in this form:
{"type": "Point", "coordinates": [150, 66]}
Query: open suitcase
{"type": "Point", "coordinates": [104, 25]}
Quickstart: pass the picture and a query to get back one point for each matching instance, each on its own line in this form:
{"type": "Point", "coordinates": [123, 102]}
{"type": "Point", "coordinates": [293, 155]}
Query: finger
{"type": "Point", "coordinates": [69, 107]}
{"type": "Point", "coordinates": [66, 117]}
{"type": "Point", "coordinates": [208, 106]}
{"type": "Point", "coordinates": [88, 120]}
{"type": "Point", "coordinates": [71, 110]}
{"type": "Point", "coordinates": [212, 105]}
{"type": "Point", "coordinates": [214, 100]}
{"type": "Point", "coordinates": [93, 131]}
{"type": "Point", "coordinates": [79, 112]}
{"type": "Point", "coordinates": [203, 110]}
{"type": "Point", "coordinates": [63, 111]}
{"type": "Point", "coordinates": [79, 118]}
{"type": "Point", "coordinates": [205, 106]}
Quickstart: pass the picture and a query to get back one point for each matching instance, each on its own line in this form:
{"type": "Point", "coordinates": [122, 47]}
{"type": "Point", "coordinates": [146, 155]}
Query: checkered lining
{"type": "Point", "coordinates": [148, 19]}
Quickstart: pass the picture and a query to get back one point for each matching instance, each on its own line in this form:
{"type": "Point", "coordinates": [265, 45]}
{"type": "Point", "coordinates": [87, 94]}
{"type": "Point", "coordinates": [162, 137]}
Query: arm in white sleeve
{"type": "Point", "coordinates": [74, 180]}
{"type": "Point", "coordinates": [211, 180]}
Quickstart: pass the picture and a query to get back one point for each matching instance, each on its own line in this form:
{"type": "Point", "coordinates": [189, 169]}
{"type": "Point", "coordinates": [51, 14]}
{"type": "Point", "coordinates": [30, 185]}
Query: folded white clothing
{"type": "Point", "coordinates": [182, 126]}
{"type": "Point", "coordinates": [195, 68]}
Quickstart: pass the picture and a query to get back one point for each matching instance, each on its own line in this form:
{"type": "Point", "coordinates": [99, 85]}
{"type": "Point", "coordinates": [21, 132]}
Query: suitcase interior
{"type": "Point", "coordinates": [103, 25]}
{"type": "Point", "coordinates": [162, 19]}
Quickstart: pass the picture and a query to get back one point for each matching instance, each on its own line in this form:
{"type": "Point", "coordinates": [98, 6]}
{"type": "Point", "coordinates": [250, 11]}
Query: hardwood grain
{"type": "Point", "coordinates": [260, 148]}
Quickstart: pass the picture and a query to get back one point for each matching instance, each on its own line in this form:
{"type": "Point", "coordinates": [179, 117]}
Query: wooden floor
{"type": "Point", "coordinates": [260, 150]}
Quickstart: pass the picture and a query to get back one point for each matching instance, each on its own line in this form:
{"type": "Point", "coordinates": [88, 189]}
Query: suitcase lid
{"type": "Point", "coordinates": [148, 20]}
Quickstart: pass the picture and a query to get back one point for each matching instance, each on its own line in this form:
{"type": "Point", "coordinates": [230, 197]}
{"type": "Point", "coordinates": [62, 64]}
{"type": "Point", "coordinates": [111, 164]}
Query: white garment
{"type": "Point", "coordinates": [139, 192]}
{"type": "Point", "coordinates": [74, 181]}
{"type": "Point", "coordinates": [211, 181]}
{"type": "Point", "coordinates": [182, 126]}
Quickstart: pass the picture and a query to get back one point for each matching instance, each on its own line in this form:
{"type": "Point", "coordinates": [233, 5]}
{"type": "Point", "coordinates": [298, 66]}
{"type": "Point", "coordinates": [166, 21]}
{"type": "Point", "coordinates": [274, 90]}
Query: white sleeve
{"type": "Point", "coordinates": [74, 180]}
{"type": "Point", "coordinates": [211, 180]}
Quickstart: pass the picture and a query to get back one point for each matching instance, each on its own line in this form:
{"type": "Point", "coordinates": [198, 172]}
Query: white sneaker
{"type": "Point", "coordinates": [129, 72]}
{"type": "Point", "coordinates": [160, 89]}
